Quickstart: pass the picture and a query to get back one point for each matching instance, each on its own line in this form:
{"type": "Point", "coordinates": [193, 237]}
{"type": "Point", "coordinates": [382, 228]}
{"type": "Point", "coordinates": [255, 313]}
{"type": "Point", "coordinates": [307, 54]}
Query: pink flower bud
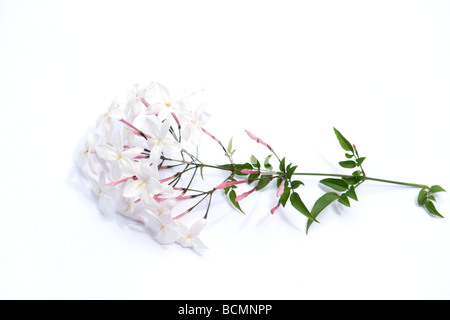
{"type": "Point", "coordinates": [244, 195]}
{"type": "Point", "coordinates": [280, 189]}
{"type": "Point", "coordinates": [276, 208]}
{"type": "Point", "coordinates": [248, 171]}
{"type": "Point", "coordinates": [229, 184]}
{"type": "Point", "coordinates": [257, 139]}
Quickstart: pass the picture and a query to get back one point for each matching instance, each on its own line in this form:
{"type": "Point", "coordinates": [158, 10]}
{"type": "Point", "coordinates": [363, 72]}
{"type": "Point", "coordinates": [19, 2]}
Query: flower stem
{"type": "Point", "coordinates": [415, 185]}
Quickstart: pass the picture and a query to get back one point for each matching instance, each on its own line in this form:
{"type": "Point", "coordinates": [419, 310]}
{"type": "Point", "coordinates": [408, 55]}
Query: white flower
{"type": "Point", "coordinates": [134, 103]}
{"type": "Point", "coordinates": [85, 156]}
{"type": "Point", "coordinates": [114, 112]}
{"type": "Point", "coordinates": [147, 184]}
{"type": "Point", "coordinates": [121, 160]}
{"type": "Point", "coordinates": [190, 237]}
{"type": "Point", "coordinates": [106, 194]}
{"type": "Point", "coordinates": [193, 124]}
{"type": "Point", "coordinates": [164, 103]}
{"type": "Point", "coordinates": [131, 209]}
{"type": "Point", "coordinates": [159, 140]}
{"type": "Point", "coordinates": [165, 227]}
{"type": "Point", "coordinates": [162, 207]}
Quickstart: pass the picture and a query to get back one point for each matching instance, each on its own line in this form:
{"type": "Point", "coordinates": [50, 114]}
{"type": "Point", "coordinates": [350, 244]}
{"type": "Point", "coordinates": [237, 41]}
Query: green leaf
{"type": "Point", "coordinates": [422, 198]}
{"type": "Point", "coordinates": [336, 184]}
{"type": "Point", "coordinates": [296, 183]}
{"type": "Point", "coordinates": [263, 183]}
{"type": "Point", "coordinates": [359, 161]}
{"type": "Point", "coordinates": [351, 193]}
{"type": "Point", "coordinates": [230, 146]}
{"type": "Point", "coordinates": [344, 200]}
{"type": "Point", "coordinates": [321, 204]}
{"type": "Point", "coordinates": [349, 155]}
{"type": "Point", "coordinates": [283, 164]}
{"type": "Point", "coordinates": [347, 164]}
{"type": "Point", "coordinates": [436, 188]}
{"type": "Point", "coordinates": [290, 172]}
{"type": "Point", "coordinates": [285, 196]}
{"type": "Point", "coordinates": [432, 209]}
{"type": "Point", "coordinates": [353, 180]}
{"type": "Point", "coordinates": [298, 204]}
{"type": "Point", "coordinates": [252, 177]}
{"type": "Point", "coordinates": [232, 196]}
{"type": "Point", "coordinates": [253, 160]}
{"type": "Point", "coordinates": [347, 146]}
{"type": "Point", "coordinates": [267, 164]}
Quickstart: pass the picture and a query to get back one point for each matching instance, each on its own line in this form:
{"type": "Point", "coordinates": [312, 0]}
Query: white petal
{"type": "Point", "coordinates": [171, 146]}
{"type": "Point", "coordinates": [116, 171]}
{"type": "Point", "coordinates": [118, 141]}
{"type": "Point", "coordinates": [106, 152]}
{"type": "Point", "coordinates": [154, 186]}
{"type": "Point", "coordinates": [198, 244]}
{"type": "Point", "coordinates": [152, 129]}
{"type": "Point", "coordinates": [155, 154]}
{"type": "Point", "coordinates": [132, 189]}
{"type": "Point", "coordinates": [91, 140]}
{"type": "Point", "coordinates": [132, 152]}
{"type": "Point", "coordinates": [126, 167]}
{"type": "Point", "coordinates": [197, 227]}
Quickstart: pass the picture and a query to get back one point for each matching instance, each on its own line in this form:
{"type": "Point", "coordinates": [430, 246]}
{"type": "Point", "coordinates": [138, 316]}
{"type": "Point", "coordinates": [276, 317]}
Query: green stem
{"type": "Point", "coordinates": [422, 186]}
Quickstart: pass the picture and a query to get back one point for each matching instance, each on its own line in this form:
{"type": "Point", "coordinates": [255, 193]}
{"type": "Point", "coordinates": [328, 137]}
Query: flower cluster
{"type": "Point", "coordinates": [137, 161]}
{"type": "Point", "coordinates": [126, 164]}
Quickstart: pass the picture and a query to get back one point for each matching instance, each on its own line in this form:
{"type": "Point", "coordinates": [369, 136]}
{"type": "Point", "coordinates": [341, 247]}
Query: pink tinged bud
{"type": "Point", "coordinates": [248, 171]}
{"type": "Point", "coordinates": [280, 189]}
{"type": "Point", "coordinates": [257, 139]}
{"type": "Point", "coordinates": [183, 197]}
{"type": "Point", "coordinates": [229, 184]}
{"type": "Point", "coordinates": [276, 208]}
{"type": "Point", "coordinates": [244, 195]}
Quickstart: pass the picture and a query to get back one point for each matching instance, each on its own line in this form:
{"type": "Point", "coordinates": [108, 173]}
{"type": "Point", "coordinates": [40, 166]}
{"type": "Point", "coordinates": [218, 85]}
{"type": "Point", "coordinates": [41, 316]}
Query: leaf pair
{"type": "Point", "coordinates": [346, 184]}
{"type": "Point", "coordinates": [426, 198]}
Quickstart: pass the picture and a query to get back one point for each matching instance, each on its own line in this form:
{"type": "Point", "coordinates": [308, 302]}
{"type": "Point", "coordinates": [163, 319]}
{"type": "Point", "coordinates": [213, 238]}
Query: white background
{"type": "Point", "coordinates": [289, 71]}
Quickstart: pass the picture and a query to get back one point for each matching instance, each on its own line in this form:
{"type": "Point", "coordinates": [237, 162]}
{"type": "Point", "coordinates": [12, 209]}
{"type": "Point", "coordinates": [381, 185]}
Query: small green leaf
{"type": "Point", "coordinates": [201, 172]}
{"type": "Point", "coordinates": [359, 161]}
{"type": "Point", "coordinates": [432, 209]}
{"type": "Point", "coordinates": [232, 196]}
{"type": "Point", "coordinates": [298, 204]}
{"type": "Point", "coordinates": [296, 183]}
{"type": "Point", "coordinates": [344, 200]}
{"type": "Point", "coordinates": [349, 155]}
{"type": "Point", "coordinates": [436, 188]}
{"type": "Point", "coordinates": [321, 204]}
{"type": "Point", "coordinates": [253, 160]}
{"type": "Point", "coordinates": [263, 183]}
{"type": "Point", "coordinates": [285, 196]}
{"type": "Point", "coordinates": [353, 180]}
{"type": "Point", "coordinates": [283, 164]}
{"type": "Point", "coordinates": [351, 193]}
{"type": "Point", "coordinates": [422, 198]}
{"type": "Point", "coordinates": [345, 144]}
{"type": "Point", "coordinates": [336, 184]}
{"type": "Point", "coordinates": [230, 146]}
{"type": "Point", "coordinates": [290, 172]}
{"type": "Point", "coordinates": [267, 164]}
{"type": "Point", "coordinates": [252, 177]}
{"type": "Point", "coordinates": [356, 173]}
{"type": "Point", "coordinates": [347, 164]}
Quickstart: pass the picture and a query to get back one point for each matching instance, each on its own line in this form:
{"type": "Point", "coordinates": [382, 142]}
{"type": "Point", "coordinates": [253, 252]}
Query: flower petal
{"type": "Point", "coordinates": [106, 152]}
{"type": "Point", "coordinates": [132, 152]}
